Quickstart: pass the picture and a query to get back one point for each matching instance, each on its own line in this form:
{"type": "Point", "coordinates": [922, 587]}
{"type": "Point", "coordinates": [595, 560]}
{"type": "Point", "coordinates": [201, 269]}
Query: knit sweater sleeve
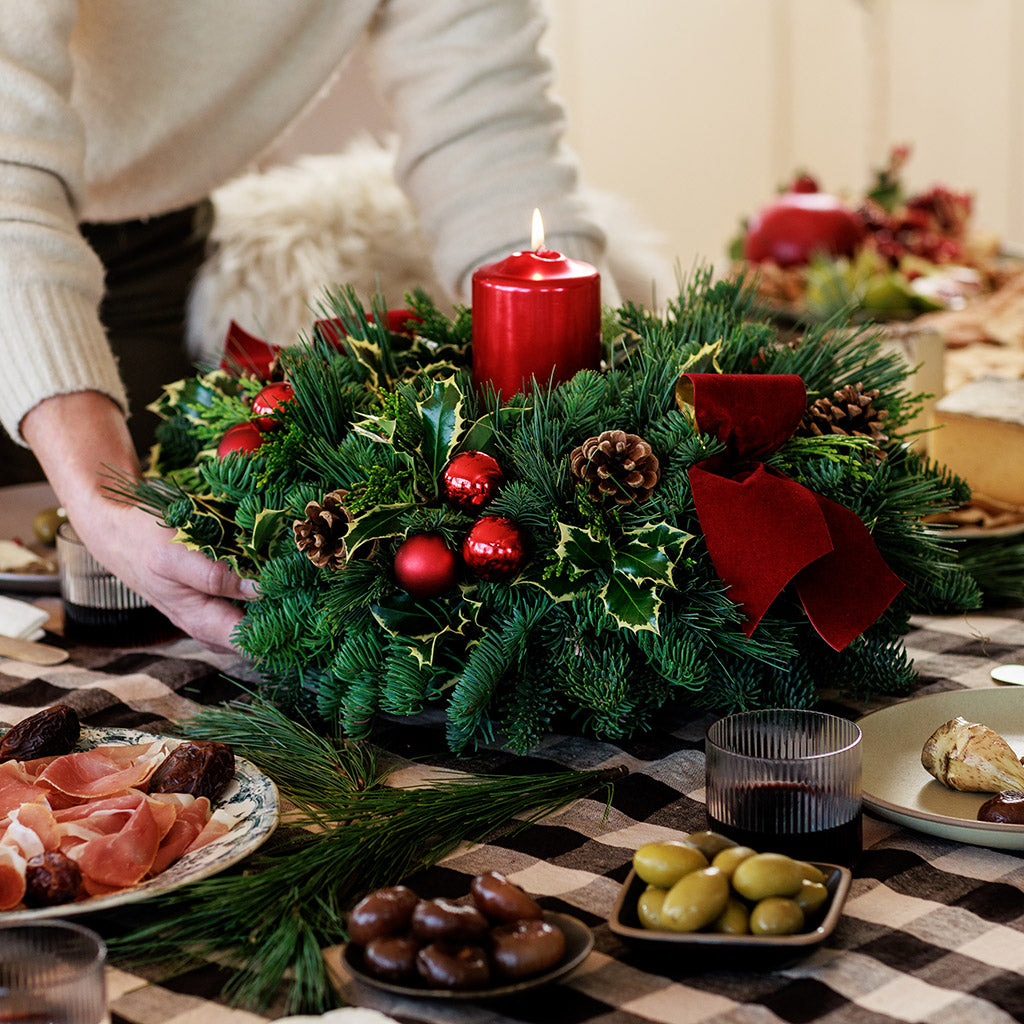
{"type": "Point", "coordinates": [51, 340]}
{"type": "Point", "coordinates": [480, 138]}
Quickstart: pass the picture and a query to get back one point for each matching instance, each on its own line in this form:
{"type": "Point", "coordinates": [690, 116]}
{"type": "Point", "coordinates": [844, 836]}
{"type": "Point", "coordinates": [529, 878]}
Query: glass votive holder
{"type": "Point", "coordinates": [52, 971]}
{"type": "Point", "coordinates": [787, 781]}
{"type": "Point", "coordinates": [98, 607]}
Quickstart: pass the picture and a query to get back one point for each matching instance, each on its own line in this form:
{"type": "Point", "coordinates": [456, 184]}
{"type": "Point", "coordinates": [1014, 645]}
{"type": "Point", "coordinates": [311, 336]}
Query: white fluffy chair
{"type": "Point", "coordinates": [281, 236]}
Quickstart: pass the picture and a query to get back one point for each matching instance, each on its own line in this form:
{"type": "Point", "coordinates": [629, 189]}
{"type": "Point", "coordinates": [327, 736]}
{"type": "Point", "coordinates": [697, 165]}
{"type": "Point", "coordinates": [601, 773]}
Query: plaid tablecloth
{"type": "Point", "coordinates": [932, 930]}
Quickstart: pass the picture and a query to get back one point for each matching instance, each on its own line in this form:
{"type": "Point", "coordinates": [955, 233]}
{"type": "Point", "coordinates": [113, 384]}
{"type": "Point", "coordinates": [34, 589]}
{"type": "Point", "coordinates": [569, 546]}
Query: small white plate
{"type": "Point", "coordinates": [251, 797]}
{"type": "Point", "coordinates": [896, 785]}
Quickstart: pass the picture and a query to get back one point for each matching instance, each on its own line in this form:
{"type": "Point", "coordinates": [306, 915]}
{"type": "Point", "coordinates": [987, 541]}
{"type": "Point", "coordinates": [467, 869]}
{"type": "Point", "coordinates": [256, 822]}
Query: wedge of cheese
{"type": "Point", "coordinates": [980, 437]}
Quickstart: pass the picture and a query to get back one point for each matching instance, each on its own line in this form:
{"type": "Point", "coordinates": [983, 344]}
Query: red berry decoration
{"type": "Point", "coordinates": [471, 480]}
{"type": "Point", "coordinates": [242, 437]}
{"type": "Point", "coordinates": [494, 549]}
{"type": "Point", "coordinates": [425, 566]}
{"type": "Point", "coordinates": [800, 225]}
{"type": "Point", "coordinates": [267, 400]}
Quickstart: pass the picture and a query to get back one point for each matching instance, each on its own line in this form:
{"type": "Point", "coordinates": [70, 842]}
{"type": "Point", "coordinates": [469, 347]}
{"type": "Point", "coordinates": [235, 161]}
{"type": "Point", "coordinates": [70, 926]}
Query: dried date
{"type": "Point", "coordinates": [199, 767]}
{"type": "Point", "coordinates": [54, 730]}
{"type": "Point", "coordinates": [51, 878]}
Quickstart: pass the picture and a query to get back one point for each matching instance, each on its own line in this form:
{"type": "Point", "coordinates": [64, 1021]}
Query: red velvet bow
{"type": "Point", "coordinates": [763, 529]}
{"type": "Point", "coordinates": [245, 353]}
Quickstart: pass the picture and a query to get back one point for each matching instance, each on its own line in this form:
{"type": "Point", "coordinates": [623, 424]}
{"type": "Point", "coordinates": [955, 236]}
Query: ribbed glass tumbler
{"type": "Point", "coordinates": [52, 972]}
{"type": "Point", "coordinates": [786, 781]}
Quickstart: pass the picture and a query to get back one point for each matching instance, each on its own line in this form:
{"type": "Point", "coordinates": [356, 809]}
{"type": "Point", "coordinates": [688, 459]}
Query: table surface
{"type": "Point", "coordinates": [932, 930]}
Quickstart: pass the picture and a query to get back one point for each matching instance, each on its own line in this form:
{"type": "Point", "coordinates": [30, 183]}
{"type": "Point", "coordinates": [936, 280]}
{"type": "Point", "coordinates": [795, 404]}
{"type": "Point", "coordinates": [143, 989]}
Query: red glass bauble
{"type": "Point", "coordinates": [425, 566]}
{"type": "Point", "coordinates": [494, 549]}
{"type": "Point", "coordinates": [471, 480]}
{"type": "Point", "coordinates": [242, 437]}
{"type": "Point", "coordinates": [267, 400]}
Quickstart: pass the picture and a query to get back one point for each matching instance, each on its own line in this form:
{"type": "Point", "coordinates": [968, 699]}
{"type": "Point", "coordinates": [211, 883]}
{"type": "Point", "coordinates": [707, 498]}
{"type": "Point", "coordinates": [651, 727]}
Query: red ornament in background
{"type": "Point", "coordinates": [535, 314]}
{"type": "Point", "coordinates": [425, 566]}
{"type": "Point", "coordinates": [242, 437]}
{"type": "Point", "coordinates": [471, 480]}
{"type": "Point", "coordinates": [268, 399]}
{"type": "Point", "coordinates": [494, 549]}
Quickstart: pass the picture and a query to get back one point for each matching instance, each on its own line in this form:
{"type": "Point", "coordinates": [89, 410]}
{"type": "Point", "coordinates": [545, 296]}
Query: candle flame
{"type": "Point", "coordinates": [537, 232]}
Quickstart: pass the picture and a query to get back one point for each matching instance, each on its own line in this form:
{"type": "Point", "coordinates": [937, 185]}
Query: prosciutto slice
{"type": "Point", "coordinates": [103, 771]}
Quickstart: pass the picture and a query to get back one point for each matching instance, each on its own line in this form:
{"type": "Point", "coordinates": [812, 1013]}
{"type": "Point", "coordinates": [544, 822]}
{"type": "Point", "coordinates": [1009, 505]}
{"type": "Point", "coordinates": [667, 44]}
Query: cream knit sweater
{"type": "Point", "coordinates": [119, 109]}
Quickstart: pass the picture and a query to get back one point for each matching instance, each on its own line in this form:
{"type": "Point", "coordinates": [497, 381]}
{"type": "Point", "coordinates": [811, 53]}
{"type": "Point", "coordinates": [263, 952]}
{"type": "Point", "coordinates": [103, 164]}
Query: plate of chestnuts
{"type": "Point", "coordinates": [498, 942]}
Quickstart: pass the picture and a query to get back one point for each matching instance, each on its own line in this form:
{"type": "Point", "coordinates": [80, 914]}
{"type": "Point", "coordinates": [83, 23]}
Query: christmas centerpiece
{"type": "Point", "coordinates": [714, 518]}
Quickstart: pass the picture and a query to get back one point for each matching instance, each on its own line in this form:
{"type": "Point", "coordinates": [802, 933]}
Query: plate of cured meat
{"type": "Point", "coordinates": [129, 837]}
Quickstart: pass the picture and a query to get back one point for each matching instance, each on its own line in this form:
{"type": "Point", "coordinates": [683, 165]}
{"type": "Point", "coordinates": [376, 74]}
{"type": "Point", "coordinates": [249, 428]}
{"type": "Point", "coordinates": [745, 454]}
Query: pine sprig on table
{"type": "Point", "coordinates": [352, 833]}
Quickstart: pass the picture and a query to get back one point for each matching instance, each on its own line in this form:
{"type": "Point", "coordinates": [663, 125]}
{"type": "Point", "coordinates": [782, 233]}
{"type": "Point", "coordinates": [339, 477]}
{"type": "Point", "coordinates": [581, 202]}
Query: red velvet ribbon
{"type": "Point", "coordinates": [245, 353]}
{"type": "Point", "coordinates": [764, 530]}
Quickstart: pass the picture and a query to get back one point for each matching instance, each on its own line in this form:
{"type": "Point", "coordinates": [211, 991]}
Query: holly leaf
{"type": "Point", "coordinates": [269, 526]}
{"type": "Point", "coordinates": [441, 416]}
{"type": "Point", "coordinates": [416, 619]}
{"type": "Point", "coordinates": [582, 549]}
{"type": "Point", "coordinates": [651, 552]}
{"type": "Point", "coordinates": [631, 604]}
{"type": "Point", "coordinates": [558, 588]}
{"type": "Point", "coordinates": [482, 431]}
{"type": "Point", "coordinates": [380, 522]}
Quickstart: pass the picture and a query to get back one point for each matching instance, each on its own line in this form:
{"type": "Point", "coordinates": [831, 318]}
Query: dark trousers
{"type": "Point", "coordinates": [150, 265]}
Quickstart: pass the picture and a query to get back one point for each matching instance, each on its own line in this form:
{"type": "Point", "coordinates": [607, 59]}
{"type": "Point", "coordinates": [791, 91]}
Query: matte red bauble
{"type": "Point", "coordinates": [425, 566]}
{"type": "Point", "coordinates": [268, 399]}
{"type": "Point", "coordinates": [800, 225]}
{"type": "Point", "coordinates": [242, 437]}
{"type": "Point", "coordinates": [471, 480]}
{"type": "Point", "coordinates": [494, 549]}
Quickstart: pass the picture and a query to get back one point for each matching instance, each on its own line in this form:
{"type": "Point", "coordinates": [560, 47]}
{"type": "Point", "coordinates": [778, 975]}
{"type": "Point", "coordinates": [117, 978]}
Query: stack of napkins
{"type": "Point", "coordinates": [21, 619]}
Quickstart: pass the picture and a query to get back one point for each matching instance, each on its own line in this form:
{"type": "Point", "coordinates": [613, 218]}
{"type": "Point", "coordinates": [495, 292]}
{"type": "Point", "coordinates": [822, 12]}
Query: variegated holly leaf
{"type": "Point", "coordinates": [416, 619]}
{"type": "Point", "coordinates": [380, 522]}
{"type": "Point", "coordinates": [631, 604]}
{"type": "Point", "coordinates": [582, 549]}
{"type": "Point", "coordinates": [481, 432]}
{"type": "Point", "coordinates": [270, 526]}
{"type": "Point", "coordinates": [651, 552]}
{"type": "Point", "coordinates": [441, 416]}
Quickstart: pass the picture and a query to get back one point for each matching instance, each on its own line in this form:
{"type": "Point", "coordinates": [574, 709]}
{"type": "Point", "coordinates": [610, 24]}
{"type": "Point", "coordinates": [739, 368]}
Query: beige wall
{"type": "Point", "coordinates": [695, 110]}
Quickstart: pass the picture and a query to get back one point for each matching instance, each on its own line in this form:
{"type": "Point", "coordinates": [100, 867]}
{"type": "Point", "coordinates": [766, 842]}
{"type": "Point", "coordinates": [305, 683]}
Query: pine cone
{"type": "Point", "coordinates": [619, 467]}
{"type": "Point", "coordinates": [849, 411]}
{"type": "Point", "coordinates": [319, 534]}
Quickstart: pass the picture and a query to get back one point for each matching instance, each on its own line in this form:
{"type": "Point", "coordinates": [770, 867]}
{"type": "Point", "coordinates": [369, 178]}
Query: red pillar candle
{"type": "Point", "coordinates": [535, 314]}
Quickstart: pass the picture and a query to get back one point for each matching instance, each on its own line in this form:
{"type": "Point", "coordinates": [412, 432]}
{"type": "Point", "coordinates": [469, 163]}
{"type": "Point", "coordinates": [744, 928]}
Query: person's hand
{"type": "Point", "coordinates": [77, 439]}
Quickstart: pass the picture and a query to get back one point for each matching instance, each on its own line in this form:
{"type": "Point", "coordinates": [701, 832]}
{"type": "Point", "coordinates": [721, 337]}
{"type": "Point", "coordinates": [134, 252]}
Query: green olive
{"type": "Point", "coordinates": [663, 864]}
{"type": "Point", "coordinates": [45, 525]}
{"type": "Point", "coordinates": [695, 900]}
{"type": "Point", "coordinates": [812, 873]}
{"type": "Point", "coordinates": [811, 897]}
{"type": "Point", "coordinates": [730, 859]}
{"type": "Point", "coordinates": [710, 843]}
{"type": "Point", "coordinates": [648, 907]}
{"type": "Point", "coordinates": [767, 874]}
{"type": "Point", "coordinates": [776, 916]}
{"type": "Point", "coordinates": [734, 920]}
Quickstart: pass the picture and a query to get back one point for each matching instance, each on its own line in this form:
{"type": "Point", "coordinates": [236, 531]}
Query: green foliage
{"type": "Point", "coordinates": [617, 612]}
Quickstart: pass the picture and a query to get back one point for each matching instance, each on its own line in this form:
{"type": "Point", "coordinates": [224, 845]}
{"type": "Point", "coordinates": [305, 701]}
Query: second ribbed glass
{"type": "Point", "coordinates": [787, 781]}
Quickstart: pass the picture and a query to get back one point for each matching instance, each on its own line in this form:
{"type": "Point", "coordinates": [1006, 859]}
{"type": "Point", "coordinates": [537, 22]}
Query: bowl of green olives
{"type": "Point", "coordinates": [714, 896]}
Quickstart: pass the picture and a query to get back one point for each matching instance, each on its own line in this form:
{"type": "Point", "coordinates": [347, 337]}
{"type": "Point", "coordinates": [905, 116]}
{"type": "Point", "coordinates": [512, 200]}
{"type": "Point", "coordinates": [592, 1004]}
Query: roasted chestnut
{"type": "Point", "coordinates": [385, 912]}
{"type": "Point", "coordinates": [448, 921]}
{"type": "Point", "coordinates": [51, 879]}
{"type": "Point", "coordinates": [442, 965]}
{"type": "Point", "coordinates": [501, 900]}
{"type": "Point", "coordinates": [1006, 808]}
{"type": "Point", "coordinates": [198, 767]}
{"type": "Point", "coordinates": [392, 957]}
{"type": "Point", "coordinates": [525, 948]}
{"type": "Point", "coordinates": [54, 730]}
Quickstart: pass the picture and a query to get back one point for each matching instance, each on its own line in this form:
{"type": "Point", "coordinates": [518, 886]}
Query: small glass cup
{"type": "Point", "coordinates": [98, 607]}
{"type": "Point", "coordinates": [787, 781]}
{"type": "Point", "coordinates": [51, 972]}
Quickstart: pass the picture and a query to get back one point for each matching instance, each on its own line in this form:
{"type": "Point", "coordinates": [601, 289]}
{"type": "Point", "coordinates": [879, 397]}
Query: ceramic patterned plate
{"type": "Point", "coordinates": [897, 787]}
{"type": "Point", "coordinates": [251, 798]}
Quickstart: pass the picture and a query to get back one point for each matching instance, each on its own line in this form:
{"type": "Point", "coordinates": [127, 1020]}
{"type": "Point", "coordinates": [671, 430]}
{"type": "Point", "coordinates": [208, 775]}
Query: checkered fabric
{"type": "Point", "coordinates": [932, 931]}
